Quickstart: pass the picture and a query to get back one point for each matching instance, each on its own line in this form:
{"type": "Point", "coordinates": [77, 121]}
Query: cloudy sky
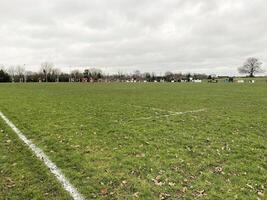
{"type": "Point", "coordinates": [209, 36]}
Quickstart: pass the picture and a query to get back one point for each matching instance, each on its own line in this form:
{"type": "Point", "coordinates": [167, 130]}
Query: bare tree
{"type": "Point", "coordinates": [250, 67]}
{"type": "Point", "coordinates": [28, 75]}
{"type": "Point", "coordinates": [55, 74]}
{"type": "Point", "coordinates": [178, 77]}
{"type": "Point", "coordinates": [96, 74]}
{"type": "Point", "coordinates": [169, 76]}
{"type": "Point", "coordinates": [120, 74]}
{"type": "Point", "coordinates": [46, 68]}
{"type": "Point", "coordinates": [12, 72]}
{"type": "Point", "coordinates": [20, 72]}
{"type": "Point", "coordinates": [76, 74]}
{"type": "Point", "coordinates": [137, 75]}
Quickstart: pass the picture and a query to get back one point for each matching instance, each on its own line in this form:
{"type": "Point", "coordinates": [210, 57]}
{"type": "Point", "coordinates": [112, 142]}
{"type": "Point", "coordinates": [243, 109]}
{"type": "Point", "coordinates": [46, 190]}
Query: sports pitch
{"type": "Point", "coordinates": [136, 141]}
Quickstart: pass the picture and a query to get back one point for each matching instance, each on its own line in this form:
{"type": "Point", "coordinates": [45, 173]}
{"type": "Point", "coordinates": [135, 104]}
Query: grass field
{"type": "Point", "coordinates": [136, 141]}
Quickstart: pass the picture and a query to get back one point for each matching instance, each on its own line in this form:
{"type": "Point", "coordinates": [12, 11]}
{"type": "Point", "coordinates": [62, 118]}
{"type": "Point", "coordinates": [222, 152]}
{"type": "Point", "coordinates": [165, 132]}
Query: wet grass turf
{"type": "Point", "coordinates": [95, 133]}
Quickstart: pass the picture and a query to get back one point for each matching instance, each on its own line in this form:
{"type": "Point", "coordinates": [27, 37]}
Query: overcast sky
{"type": "Point", "coordinates": [205, 36]}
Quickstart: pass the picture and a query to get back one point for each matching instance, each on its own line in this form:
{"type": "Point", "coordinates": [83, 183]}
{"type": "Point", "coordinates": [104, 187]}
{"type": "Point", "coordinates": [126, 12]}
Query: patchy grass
{"type": "Point", "coordinates": [115, 141]}
{"type": "Point", "coordinates": [21, 175]}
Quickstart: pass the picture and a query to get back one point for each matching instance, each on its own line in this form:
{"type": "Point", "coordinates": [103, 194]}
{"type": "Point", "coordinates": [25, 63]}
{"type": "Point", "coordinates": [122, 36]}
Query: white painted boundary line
{"type": "Point", "coordinates": [42, 156]}
{"type": "Point", "coordinates": [171, 113]}
{"type": "Point", "coordinates": [174, 113]}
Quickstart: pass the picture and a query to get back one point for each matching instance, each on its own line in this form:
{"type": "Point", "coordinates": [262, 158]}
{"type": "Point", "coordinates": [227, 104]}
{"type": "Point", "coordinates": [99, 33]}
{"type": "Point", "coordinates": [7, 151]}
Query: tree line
{"type": "Point", "coordinates": [49, 73]}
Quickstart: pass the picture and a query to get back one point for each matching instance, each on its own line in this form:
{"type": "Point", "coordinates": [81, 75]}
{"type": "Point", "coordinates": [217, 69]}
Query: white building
{"type": "Point", "coordinates": [197, 81]}
{"type": "Point", "coordinates": [240, 81]}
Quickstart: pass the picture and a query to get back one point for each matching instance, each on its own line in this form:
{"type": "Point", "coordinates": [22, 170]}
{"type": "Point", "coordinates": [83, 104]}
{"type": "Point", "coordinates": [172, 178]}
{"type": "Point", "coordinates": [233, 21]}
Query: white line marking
{"type": "Point", "coordinates": [42, 156]}
{"type": "Point", "coordinates": [174, 113]}
{"type": "Point", "coordinates": [171, 113]}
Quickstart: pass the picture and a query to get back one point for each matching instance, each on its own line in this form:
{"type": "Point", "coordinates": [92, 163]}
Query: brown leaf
{"type": "Point", "coordinates": [218, 170]}
{"type": "Point", "coordinates": [171, 184]}
{"type": "Point", "coordinates": [184, 190]}
{"type": "Point", "coordinates": [136, 194]}
{"type": "Point", "coordinates": [9, 182]}
{"type": "Point", "coordinates": [157, 181]}
{"type": "Point", "coordinates": [200, 194]}
{"type": "Point", "coordinates": [164, 196]}
{"type": "Point", "coordinates": [261, 194]}
{"type": "Point", "coordinates": [104, 191]}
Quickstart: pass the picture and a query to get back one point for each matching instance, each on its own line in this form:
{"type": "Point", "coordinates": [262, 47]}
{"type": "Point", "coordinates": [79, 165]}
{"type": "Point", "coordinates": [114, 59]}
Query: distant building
{"type": "Point", "coordinates": [197, 81]}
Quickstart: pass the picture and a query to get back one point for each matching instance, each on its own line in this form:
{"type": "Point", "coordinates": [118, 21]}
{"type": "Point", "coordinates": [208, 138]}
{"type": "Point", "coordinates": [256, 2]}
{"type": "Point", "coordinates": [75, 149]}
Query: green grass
{"type": "Point", "coordinates": [95, 133]}
{"type": "Point", "coordinates": [21, 175]}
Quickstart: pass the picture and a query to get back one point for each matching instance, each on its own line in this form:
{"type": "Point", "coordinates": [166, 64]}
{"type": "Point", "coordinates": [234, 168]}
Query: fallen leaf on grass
{"type": "Point", "coordinates": [9, 182]}
{"type": "Point", "coordinates": [157, 181]}
{"type": "Point", "coordinates": [171, 184]}
{"type": "Point", "coordinates": [184, 190]}
{"type": "Point", "coordinates": [261, 194]}
{"type": "Point", "coordinates": [104, 191]}
{"type": "Point", "coordinates": [123, 183]}
{"type": "Point", "coordinates": [164, 196]}
{"type": "Point", "coordinates": [136, 194]}
{"type": "Point", "coordinates": [218, 170]}
{"type": "Point", "coordinates": [250, 186]}
{"type": "Point", "coordinates": [200, 194]}
{"type": "Point", "coordinates": [8, 141]}
{"type": "Point", "coordinates": [142, 155]}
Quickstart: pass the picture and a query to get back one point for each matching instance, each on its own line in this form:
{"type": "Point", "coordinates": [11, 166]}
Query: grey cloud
{"type": "Point", "coordinates": [189, 36]}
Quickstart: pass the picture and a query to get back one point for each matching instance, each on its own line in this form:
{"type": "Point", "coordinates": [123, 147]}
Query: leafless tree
{"type": "Point", "coordinates": [120, 74]}
{"type": "Point", "coordinates": [169, 76]}
{"type": "Point", "coordinates": [76, 74]}
{"type": "Point", "coordinates": [251, 66]}
{"type": "Point", "coordinates": [137, 75]}
{"type": "Point", "coordinates": [20, 72]}
{"type": "Point", "coordinates": [12, 72]}
{"type": "Point", "coordinates": [28, 74]}
{"type": "Point", "coordinates": [55, 74]}
{"type": "Point", "coordinates": [46, 68]}
{"type": "Point", "coordinates": [96, 74]}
